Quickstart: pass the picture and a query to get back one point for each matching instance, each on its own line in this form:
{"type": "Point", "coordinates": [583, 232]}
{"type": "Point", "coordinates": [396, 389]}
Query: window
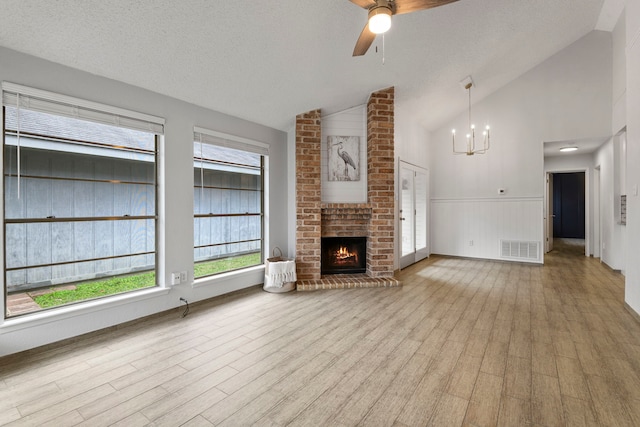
{"type": "Point", "coordinates": [79, 200]}
{"type": "Point", "coordinates": [228, 202]}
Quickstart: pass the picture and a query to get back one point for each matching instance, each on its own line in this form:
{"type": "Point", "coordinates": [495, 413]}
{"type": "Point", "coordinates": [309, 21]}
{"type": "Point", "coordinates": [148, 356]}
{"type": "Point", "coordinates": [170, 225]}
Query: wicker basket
{"type": "Point", "coordinates": [268, 283]}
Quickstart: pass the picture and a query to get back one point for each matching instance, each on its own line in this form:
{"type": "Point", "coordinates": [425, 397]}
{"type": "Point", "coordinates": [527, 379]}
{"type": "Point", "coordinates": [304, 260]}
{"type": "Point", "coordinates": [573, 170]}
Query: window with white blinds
{"type": "Point", "coordinates": [228, 202]}
{"type": "Point", "coordinates": [80, 198]}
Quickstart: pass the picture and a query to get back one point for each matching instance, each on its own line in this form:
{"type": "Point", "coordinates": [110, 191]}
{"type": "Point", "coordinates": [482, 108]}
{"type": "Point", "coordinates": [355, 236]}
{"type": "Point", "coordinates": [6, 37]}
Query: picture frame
{"type": "Point", "coordinates": [343, 158]}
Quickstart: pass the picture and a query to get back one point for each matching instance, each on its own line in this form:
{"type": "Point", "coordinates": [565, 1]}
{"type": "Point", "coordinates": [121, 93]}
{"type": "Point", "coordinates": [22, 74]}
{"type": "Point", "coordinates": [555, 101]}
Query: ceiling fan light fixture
{"type": "Point", "coordinates": [379, 19]}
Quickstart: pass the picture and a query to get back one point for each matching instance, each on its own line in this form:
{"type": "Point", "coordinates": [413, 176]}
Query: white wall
{"type": "Point", "coordinates": [569, 163]}
{"type": "Point", "coordinates": [566, 97]}
{"type": "Point", "coordinates": [411, 144]}
{"type": "Point", "coordinates": [410, 138]}
{"type": "Point", "coordinates": [291, 191]}
{"type": "Point", "coordinates": [632, 286]}
{"type": "Point", "coordinates": [611, 231]}
{"type": "Point", "coordinates": [617, 253]}
{"type": "Point", "coordinates": [351, 122]}
{"type": "Point", "coordinates": [619, 80]}
{"type": "Point", "coordinates": [175, 205]}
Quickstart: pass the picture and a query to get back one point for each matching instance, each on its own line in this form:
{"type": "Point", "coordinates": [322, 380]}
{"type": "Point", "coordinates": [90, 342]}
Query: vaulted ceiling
{"type": "Point", "coordinates": [267, 61]}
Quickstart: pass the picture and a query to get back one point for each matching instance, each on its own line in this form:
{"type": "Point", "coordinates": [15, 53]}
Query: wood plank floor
{"type": "Point", "coordinates": [463, 342]}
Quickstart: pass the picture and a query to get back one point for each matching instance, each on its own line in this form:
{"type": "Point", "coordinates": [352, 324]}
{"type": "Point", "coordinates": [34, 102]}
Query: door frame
{"type": "Point", "coordinates": [426, 252]}
{"type": "Point", "coordinates": [597, 214]}
{"type": "Point", "coordinates": [587, 203]}
{"type": "Point", "coordinates": [548, 212]}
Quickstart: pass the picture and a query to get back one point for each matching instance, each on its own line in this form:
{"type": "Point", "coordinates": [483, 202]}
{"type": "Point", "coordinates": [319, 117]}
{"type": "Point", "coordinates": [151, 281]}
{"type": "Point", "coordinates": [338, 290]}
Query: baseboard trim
{"type": "Point", "coordinates": [633, 313]}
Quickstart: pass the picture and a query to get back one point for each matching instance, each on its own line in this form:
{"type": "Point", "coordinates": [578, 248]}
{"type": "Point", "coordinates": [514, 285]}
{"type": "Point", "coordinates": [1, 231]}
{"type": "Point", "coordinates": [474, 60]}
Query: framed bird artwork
{"type": "Point", "coordinates": [343, 160]}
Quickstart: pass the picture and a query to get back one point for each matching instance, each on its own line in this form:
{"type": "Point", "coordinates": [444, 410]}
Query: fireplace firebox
{"type": "Point", "coordinates": [343, 255]}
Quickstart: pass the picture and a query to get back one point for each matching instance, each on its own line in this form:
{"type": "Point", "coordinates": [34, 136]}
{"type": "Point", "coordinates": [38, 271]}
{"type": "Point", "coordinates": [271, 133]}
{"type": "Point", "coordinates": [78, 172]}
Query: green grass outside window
{"type": "Point", "coordinates": [208, 268]}
{"type": "Point", "coordinates": [120, 284]}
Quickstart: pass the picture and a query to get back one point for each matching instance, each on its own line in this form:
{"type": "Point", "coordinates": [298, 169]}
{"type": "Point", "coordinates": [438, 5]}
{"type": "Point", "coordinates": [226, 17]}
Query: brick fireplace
{"type": "Point", "coordinates": [343, 254]}
{"type": "Point", "coordinates": [374, 219]}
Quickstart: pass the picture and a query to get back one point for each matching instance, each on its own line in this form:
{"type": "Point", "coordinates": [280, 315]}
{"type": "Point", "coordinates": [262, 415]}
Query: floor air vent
{"type": "Point", "coordinates": [526, 251]}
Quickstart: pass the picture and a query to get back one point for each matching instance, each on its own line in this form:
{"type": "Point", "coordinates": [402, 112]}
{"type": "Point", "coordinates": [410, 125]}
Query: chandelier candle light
{"type": "Point", "coordinates": [471, 136]}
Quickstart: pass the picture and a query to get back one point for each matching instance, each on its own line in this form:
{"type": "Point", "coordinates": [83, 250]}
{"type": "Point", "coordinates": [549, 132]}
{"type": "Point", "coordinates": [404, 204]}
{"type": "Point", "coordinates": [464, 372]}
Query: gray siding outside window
{"type": "Point", "coordinates": [72, 185]}
{"type": "Point", "coordinates": [226, 193]}
{"type": "Point", "coordinates": [69, 185]}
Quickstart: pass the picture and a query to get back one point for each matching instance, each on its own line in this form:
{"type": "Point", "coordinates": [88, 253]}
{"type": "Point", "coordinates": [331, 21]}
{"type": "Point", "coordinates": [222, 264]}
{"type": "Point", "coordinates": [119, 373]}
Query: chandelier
{"type": "Point", "coordinates": [471, 135]}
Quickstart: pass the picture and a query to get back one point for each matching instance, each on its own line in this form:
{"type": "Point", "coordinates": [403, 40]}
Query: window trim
{"type": "Point", "coordinates": [63, 312]}
{"type": "Point", "coordinates": [228, 140]}
{"type": "Point", "coordinates": [224, 277]}
{"type": "Point", "coordinates": [69, 106]}
{"type": "Point", "coordinates": [211, 137]}
{"type": "Point", "coordinates": [38, 100]}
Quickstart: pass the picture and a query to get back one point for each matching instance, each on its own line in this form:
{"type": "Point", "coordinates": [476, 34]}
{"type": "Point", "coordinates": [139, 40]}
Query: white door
{"type": "Point", "coordinates": [414, 189]}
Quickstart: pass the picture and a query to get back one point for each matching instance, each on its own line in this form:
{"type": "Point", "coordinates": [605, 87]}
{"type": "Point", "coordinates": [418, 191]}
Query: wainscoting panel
{"type": "Point", "coordinates": [476, 228]}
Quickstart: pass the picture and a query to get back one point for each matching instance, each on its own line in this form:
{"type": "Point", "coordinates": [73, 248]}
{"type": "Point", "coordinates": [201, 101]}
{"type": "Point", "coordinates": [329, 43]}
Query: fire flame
{"type": "Point", "coordinates": [344, 254]}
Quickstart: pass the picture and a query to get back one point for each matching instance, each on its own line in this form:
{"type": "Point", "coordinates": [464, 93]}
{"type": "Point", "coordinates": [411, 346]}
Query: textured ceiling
{"type": "Point", "coordinates": [267, 61]}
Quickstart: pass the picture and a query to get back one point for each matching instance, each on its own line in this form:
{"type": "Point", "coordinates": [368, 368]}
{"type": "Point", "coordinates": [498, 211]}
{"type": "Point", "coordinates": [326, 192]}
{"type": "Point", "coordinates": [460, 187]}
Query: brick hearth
{"type": "Point", "coordinates": [346, 281]}
{"type": "Point", "coordinates": [373, 219]}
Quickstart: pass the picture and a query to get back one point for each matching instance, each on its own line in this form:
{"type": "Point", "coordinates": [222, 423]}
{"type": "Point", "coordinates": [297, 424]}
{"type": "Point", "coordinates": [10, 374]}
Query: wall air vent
{"type": "Point", "coordinates": [518, 250]}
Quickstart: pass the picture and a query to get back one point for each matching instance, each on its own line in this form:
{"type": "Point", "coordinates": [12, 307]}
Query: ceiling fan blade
{"type": "Point", "coordinates": [365, 4]}
{"type": "Point", "coordinates": [408, 6]}
{"type": "Point", "coordinates": [364, 41]}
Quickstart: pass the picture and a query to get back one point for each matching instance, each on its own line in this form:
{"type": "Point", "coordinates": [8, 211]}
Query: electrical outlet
{"type": "Point", "coordinates": [470, 242]}
{"type": "Point", "coordinates": [175, 278]}
{"type": "Point", "coordinates": [183, 277]}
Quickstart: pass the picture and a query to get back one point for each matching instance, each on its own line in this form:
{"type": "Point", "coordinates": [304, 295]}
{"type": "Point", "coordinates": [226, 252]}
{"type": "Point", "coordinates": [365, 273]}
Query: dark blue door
{"type": "Point", "coordinates": [568, 205]}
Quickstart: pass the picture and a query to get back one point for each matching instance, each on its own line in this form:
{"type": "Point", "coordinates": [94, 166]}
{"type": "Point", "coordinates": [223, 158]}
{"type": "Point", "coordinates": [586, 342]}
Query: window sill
{"type": "Point", "coordinates": [223, 277]}
{"type": "Point", "coordinates": [66, 312]}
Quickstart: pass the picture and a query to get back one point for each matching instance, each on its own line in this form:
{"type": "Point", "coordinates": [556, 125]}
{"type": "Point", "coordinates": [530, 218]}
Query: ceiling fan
{"type": "Point", "coordinates": [380, 12]}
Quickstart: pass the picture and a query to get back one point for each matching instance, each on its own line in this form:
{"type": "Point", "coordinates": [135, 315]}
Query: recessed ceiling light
{"type": "Point", "coordinates": [567, 149]}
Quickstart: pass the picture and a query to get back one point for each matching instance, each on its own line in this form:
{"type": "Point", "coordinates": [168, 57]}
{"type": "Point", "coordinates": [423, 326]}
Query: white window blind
{"type": "Point", "coordinates": [53, 103]}
{"type": "Point", "coordinates": [230, 141]}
